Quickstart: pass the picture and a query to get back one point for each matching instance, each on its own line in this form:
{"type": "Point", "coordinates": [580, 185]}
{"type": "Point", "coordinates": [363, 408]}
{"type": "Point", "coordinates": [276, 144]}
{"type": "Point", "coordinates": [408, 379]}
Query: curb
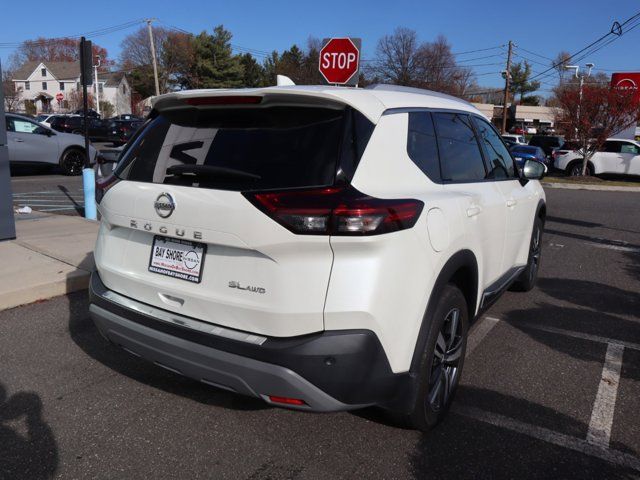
{"type": "Point", "coordinates": [601, 188]}
{"type": "Point", "coordinates": [74, 282]}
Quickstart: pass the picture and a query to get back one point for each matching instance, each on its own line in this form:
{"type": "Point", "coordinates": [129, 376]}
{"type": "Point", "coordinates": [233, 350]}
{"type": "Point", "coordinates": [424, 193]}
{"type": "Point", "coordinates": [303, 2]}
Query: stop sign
{"type": "Point", "coordinates": [339, 61]}
{"type": "Point", "coordinates": [59, 97]}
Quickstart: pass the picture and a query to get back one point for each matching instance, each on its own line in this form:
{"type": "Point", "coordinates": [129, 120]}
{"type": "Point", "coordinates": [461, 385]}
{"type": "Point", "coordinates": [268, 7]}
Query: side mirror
{"type": "Point", "coordinates": [533, 170]}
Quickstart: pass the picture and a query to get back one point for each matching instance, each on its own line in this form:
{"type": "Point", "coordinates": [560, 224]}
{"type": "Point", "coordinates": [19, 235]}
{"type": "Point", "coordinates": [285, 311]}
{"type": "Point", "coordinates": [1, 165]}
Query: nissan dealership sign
{"type": "Point", "coordinates": [627, 81]}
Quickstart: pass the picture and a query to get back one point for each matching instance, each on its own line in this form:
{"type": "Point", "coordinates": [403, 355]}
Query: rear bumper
{"type": "Point", "coordinates": [329, 371]}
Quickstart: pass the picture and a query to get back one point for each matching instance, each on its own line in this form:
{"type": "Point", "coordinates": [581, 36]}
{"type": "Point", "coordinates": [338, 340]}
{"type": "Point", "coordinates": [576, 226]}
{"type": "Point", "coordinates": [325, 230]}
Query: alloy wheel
{"type": "Point", "coordinates": [446, 360]}
{"type": "Point", "coordinates": [73, 162]}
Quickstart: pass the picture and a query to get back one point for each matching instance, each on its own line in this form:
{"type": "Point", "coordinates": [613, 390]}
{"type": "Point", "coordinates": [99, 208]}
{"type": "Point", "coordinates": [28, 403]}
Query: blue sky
{"type": "Point", "coordinates": [542, 27]}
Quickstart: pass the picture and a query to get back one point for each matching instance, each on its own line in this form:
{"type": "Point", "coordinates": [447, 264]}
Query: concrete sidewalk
{"type": "Point", "coordinates": [52, 255]}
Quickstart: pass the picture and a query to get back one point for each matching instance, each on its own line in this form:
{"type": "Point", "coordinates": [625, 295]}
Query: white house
{"type": "Point", "coordinates": [41, 82]}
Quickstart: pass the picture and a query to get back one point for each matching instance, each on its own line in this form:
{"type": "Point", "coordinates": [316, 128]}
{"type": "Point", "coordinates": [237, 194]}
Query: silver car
{"type": "Point", "coordinates": [32, 143]}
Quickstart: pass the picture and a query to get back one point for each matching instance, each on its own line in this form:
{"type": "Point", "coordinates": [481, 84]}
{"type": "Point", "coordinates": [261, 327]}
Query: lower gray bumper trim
{"type": "Point", "coordinates": [233, 372]}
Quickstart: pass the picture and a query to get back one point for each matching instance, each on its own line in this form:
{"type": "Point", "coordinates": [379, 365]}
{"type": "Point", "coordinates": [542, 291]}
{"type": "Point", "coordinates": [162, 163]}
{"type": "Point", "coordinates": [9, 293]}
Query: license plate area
{"type": "Point", "coordinates": [177, 258]}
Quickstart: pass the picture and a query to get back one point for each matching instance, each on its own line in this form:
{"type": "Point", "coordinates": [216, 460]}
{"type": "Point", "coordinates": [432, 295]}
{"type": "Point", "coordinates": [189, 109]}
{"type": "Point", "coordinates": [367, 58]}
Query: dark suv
{"type": "Point", "coordinates": [98, 129]}
{"type": "Point", "coordinates": [548, 143]}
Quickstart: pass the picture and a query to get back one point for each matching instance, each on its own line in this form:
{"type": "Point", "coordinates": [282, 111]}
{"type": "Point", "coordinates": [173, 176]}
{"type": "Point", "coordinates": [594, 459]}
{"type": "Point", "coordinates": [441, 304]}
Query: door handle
{"type": "Point", "coordinates": [19, 140]}
{"type": "Point", "coordinates": [473, 210]}
{"type": "Point", "coordinates": [512, 202]}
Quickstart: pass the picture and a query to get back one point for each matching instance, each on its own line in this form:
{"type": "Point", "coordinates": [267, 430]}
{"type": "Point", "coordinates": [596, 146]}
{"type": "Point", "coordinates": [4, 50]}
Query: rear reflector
{"type": "Point", "coordinates": [336, 211]}
{"type": "Point", "coordinates": [287, 400]}
{"type": "Point", "coordinates": [228, 100]}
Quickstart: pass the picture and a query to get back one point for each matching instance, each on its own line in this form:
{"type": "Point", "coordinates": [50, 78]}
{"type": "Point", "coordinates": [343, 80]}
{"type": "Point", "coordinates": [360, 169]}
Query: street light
{"type": "Point", "coordinates": [576, 69]}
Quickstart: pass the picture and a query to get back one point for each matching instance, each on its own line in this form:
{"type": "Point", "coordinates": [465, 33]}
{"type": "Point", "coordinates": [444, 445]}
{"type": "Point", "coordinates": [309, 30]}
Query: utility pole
{"type": "Point", "coordinates": [507, 78]}
{"type": "Point", "coordinates": [97, 87]}
{"type": "Point", "coordinates": [153, 56]}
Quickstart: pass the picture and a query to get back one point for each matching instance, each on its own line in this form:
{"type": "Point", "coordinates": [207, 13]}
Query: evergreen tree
{"type": "Point", "coordinates": [253, 72]}
{"type": "Point", "coordinates": [520, 83]}
{"type": "Point", "coordinates": [215, 65]}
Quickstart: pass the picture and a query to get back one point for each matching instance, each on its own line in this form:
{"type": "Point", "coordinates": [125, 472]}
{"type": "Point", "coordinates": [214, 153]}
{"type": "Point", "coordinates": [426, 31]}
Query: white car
{"type": "Point", "coordinates": [617, 156]}
{"type": "Point", "coordinates": [519, 139]}
{"type": "Point", "coordinates": [45, 119]}
{"type": "Point", "coordinates": [320, 248]}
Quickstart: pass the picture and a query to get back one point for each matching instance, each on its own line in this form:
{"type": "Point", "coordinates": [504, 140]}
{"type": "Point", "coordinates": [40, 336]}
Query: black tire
{"type": "Point", "coordinates": [72, 161]}
{"type": "Point", "coordinates": [528, 278]}
{"type": "Point", "coordinates": [574, 169]}
{"type": "Point", "coordinates": [440, 368]}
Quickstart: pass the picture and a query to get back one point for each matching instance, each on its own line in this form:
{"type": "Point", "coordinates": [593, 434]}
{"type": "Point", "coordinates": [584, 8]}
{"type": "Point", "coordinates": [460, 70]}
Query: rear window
{"type": "Point", "coordinates": [247, 148]}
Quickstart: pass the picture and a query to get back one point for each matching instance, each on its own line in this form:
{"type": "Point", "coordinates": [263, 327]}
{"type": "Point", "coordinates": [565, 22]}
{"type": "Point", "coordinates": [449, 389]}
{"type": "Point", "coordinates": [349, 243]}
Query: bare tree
{"type": "Point", "coordinates": [12, 95]}
{"type": "Point", "coordinates": [397, 58]}
{"type": "Point", "coordinates": [594, 115]}
{"type": "Point", "coordinates": [560, 62]}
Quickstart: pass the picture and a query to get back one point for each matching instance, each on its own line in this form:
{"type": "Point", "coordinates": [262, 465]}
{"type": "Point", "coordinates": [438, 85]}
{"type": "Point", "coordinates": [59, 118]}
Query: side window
{"type": "Point", "coordinates": [460, 156]}
{"type": "Point", "coordinates": [629, 148]}
{"type": "Point", "coordinates": [22, 126]}
{"type": "Point", "coordinates": [422, 146]}
{"type": "Point", "coordinates": [10, 126]}
{"type": "Point", "coordinates": [499, 161]}
{"type": "Point", "coordinates": [611, 147]}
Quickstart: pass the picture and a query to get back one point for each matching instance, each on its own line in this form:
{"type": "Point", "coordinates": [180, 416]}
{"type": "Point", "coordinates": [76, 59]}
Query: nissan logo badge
{"type": "Point", "coordinates": [164, 205]}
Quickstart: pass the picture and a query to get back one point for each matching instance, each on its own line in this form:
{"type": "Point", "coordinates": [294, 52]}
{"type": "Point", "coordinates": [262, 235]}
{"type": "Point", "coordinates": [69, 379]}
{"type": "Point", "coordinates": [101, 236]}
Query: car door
{"type": "Point", "coordinates": [518, 202]}
{"type": "Point", "coordinates": [609, 159]}
{"type": "Point", "coordinates": [29, 143]}
{"type": "Point", "coordinates": [630, 153]}
{"type": "Point", "coordinates": [481, 204]}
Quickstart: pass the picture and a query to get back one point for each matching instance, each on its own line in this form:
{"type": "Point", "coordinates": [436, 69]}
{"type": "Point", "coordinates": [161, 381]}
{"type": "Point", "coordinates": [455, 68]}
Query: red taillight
{"type": "Point", "coordinates": [336, 211]}
{"type": "Point", "coordinates": [104, 184]}
{"type": "Point", "coordinates": [287, 400]}
{"type": "Point", "coordinates": [229, 100]}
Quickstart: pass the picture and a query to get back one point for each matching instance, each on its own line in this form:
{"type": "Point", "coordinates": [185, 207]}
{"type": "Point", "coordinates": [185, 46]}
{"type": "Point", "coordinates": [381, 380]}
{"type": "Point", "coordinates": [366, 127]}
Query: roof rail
{"type": "Point", "coordinates": [385, 87]}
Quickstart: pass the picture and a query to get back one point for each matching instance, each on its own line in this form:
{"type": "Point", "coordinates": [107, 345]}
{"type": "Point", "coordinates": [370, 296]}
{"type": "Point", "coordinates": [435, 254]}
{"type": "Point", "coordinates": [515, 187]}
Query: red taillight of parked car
{"type": "Point", "coordinates": [336, 211]}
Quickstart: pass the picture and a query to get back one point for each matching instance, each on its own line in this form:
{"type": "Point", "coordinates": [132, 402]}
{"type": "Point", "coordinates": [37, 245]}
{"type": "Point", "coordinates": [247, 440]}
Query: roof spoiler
{"type": "Point", "coordinates": [284, 81]}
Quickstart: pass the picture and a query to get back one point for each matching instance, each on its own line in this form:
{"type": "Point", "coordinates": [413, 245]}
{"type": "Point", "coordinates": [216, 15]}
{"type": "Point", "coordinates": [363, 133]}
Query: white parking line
{"type": "Point", "coordinates": [478, 332]}
{"type": "Point", "coordinates": [605, 402]}
{"type": "Point", "coordinates": [582, 446]}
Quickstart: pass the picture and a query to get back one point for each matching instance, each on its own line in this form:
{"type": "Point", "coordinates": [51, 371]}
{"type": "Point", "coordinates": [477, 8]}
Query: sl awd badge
{"type": "Point", "coordinates": [248, 288]}
{"type": "Point", "coordinates": [164, 205]}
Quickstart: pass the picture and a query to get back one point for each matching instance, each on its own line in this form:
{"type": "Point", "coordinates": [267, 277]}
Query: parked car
{"type": "Point", "coordinates": [521, 153]}
{"type": "Point", "coordinates": [547, 142]}
{"type": "Point", "coordinates": [90, 113]}
{"type": "Point", "coordinates": [120, 131]}
{"type": "Point", "coordinates": [617, 156]}
{"type": "Point", "coordinates": [531, 130]}
{"type": "Point", "coordinates": [45, 119]}
{"type": "Point", "coordinates": [266, 244]}
{"type": "Point", "coordinates": [98, 129]}
{"type": "Point", "coordinates": [517, 130]}
{"type": "Point", "coordinates": [519, 139]}
{"type": "Point", "coordinates": [32, 143]}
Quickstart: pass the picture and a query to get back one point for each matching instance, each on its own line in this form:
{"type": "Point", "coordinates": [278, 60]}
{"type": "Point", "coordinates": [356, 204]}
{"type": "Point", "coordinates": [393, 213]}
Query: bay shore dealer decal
{"type": "Point", "coordinates": [177, 258]}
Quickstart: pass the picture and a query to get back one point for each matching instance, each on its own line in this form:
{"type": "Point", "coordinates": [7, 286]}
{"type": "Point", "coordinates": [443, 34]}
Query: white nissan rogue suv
{"type": "Point", "coordinates": [321, 248]}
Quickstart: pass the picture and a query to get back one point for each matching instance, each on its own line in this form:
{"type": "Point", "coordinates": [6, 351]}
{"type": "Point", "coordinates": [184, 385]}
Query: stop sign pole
{"type": "Point", "coordinates": [339, 61]}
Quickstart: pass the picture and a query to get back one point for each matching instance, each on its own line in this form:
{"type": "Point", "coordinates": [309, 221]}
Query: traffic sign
{"type": "Point", "coordinates": [340, 60]}
{"type": "Point", "coordinates": [59, 97]}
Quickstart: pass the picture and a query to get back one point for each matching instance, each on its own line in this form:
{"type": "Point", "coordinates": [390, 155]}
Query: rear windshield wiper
{"type": "Point", "coordinates": [211, 171]}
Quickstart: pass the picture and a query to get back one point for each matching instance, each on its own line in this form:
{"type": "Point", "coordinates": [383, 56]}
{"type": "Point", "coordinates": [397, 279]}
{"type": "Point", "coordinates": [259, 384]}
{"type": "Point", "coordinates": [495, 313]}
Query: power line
{"type": "Point", "coordinates": [91, 34]}
{"type": "Point", "coordinates": [615, 30]}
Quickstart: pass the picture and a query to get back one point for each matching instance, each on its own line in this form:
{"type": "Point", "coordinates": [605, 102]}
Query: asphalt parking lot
{"type": "Point", "coordinates": [551, 387]}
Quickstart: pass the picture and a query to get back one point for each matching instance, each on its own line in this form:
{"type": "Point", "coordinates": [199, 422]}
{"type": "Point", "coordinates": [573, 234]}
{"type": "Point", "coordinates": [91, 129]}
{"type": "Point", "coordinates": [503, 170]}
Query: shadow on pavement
{"type": "Point", "coordinates": [596, 296]}
{"type": "Point", "coordinates": [79, 208]}
{"type": "Point", "coordinates": [84, 333]}
{"type": "Point", "coordinates": [29, 452]}
{"type": "Point", "coordinates": [462, 447]}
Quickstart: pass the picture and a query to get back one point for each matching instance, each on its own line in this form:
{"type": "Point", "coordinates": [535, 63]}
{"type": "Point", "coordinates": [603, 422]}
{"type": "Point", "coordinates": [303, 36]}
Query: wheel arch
{"type": "Point", "coordinates": [462, 270]}
{"type": "Point", "coordinates": [580, 160]}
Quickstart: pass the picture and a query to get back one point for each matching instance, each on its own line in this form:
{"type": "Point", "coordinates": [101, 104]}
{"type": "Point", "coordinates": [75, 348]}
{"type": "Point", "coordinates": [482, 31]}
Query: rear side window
{"type": "Point", "coordinates": [611, 147]}
{"type": "Point", "coordinates": [422, 146]}
{"type": "Point", "coordinates": [246, 148]}
{"type": "Point", "coordinates": [460, 156]}
{"type": "Point", "coordinates": [499, 161]}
